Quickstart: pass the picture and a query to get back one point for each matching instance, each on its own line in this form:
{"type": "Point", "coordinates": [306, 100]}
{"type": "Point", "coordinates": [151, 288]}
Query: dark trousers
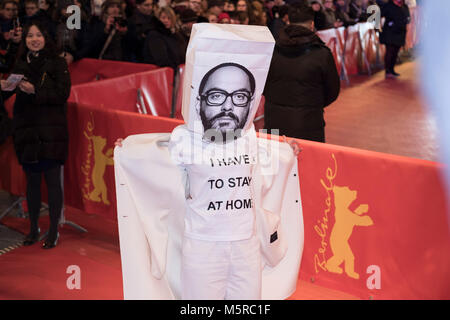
{"type": "Point", "coordinates": [301, 123]}
{"type": "Point", "coordinates": [55, 198]}
{"type": "Point", "coordinates": [391, 57]}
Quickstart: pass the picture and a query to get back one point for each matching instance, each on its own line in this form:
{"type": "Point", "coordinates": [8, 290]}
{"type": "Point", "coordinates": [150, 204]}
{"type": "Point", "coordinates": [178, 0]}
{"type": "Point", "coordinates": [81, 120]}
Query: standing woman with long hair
{"type": "Point", "coordinates": [40, 125]}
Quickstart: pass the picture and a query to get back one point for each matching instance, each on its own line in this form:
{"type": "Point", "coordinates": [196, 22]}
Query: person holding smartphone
{"type": "Point", "coordinates": [40, 125]}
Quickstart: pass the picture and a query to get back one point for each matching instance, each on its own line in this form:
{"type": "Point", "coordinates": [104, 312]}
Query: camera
{"type": "Point", "coordinates": [121, 22]}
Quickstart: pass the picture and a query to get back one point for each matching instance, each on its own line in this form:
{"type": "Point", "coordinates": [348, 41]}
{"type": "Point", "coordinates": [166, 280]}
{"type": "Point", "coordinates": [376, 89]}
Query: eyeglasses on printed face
{"type": "Point", "coordinates": [214, 98]}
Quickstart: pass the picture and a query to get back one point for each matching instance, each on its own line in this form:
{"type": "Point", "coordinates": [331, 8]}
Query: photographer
{"type": "Point", "coordinates": [111, 37]}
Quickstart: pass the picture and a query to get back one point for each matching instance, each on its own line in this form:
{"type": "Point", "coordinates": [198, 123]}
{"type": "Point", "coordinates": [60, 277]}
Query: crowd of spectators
{"type": "Point", "coordinates": [152, 31]}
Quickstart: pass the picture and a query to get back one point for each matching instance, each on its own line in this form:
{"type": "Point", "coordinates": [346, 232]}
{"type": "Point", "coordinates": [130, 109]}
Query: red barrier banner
{"type": "Point", "coordinates": [341, 35]}
{"type": "Point", "coordinates": [413, 29]}
{"type": "Point", "coordinates": [369, 41]}
{"type": "Point", "coordinates": [352, 50]}
{"type": "Point", "coordinates": [122, 93]}
{"type": "Point", "coordinates": [89, 171]}
{"type": "Point", "coordinates": [375, 224]}
{"type": "Point", "coordinates": [90, 70]}
{"type": "Point", "coordinates": [330, 37]}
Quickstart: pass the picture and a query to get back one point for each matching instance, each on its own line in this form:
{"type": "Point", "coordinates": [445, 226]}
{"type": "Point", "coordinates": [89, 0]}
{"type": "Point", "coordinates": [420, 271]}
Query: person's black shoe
{"type": "Point", "coordinates": [32, 238]}
{"type": "Point", "coordinates": [49, 243]}
{"type": "Point", "coordinates": [390, 75]}
{"type": "Point", "coordinates": [395, 73]}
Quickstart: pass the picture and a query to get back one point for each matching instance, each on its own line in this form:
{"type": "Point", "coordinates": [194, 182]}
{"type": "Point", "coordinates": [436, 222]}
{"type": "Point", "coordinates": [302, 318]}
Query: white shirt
{"type": "Point", "coordinates": [219, 203]}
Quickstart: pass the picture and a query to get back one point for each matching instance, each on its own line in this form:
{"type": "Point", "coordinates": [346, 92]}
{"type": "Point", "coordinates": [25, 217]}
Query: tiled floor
{"type": "Point", "coordinates": [382, 115]}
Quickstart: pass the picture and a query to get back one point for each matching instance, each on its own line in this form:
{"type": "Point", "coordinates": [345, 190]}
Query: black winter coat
{"type": "Point", "coordinates": [164, 48]}
{"type": "Point", "coordinates": [40, 121]}
{"type": "Point", "coordinates": [395, 25]}
{"type": "Point", "coordinates": [142, 24]}
{"type": "Point", "coordinates": [302, 80]}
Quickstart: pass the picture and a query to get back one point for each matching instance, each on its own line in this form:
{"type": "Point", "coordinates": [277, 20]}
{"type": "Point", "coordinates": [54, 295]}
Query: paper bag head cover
{"type": "Point", "coordinates": [225, 73]}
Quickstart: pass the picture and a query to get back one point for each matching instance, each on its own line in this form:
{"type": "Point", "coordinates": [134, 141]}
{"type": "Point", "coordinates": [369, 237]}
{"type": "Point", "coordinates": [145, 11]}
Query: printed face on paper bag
{"type": "Point", "coordinates": [225, 94]}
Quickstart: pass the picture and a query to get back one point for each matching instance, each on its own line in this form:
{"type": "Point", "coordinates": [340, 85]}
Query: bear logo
{"type": "Point", "coordinates": [345, 221]}
{"type": "Point", "coordinates": [101, 160]}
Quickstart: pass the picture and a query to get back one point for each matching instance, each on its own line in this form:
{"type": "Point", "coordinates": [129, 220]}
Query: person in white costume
{"type": "Point", "coordinates": [233, 187]}
{"type": "Point", "coordinates": [221, 258]}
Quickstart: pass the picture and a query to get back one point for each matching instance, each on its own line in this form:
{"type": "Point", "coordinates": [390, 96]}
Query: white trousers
{"type": "Point", "coordinates": [221, 270]}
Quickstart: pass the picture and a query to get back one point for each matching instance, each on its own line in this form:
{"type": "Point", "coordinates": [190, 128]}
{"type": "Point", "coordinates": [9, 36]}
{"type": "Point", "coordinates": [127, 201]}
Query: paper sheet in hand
{"type": "Point", "coordinates": [12, 82]}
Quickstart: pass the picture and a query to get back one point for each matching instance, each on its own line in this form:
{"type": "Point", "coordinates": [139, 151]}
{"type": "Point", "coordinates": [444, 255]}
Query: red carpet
{"type": "Point", "coordinates": [34, 273]}
{"type": "Point", "coordinates": [387, 116]}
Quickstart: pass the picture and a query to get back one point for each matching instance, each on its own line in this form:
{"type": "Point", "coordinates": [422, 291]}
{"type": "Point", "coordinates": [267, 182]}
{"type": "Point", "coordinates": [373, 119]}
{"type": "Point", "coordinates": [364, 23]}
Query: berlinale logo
{"type": "Point", "coordinates": [342, 256]}
{"type": "Point", "coordinates": [94, 166]}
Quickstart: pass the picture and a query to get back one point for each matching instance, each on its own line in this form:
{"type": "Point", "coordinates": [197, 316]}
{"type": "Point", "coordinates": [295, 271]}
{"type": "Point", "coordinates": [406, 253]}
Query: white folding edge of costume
{"type": "Point", "coordinates": [150, 188]}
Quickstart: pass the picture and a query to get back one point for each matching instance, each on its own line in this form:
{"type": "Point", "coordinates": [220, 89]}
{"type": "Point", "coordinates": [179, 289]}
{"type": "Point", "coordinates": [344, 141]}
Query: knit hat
{"type": "Point", "coordinates": [222, 16]}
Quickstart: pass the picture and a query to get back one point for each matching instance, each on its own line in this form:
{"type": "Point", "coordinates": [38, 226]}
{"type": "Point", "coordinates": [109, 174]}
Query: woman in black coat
{"type": "Point", "coordinates": [40, 125]}
{"type": "Point", "coordinates": [393, 36]}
